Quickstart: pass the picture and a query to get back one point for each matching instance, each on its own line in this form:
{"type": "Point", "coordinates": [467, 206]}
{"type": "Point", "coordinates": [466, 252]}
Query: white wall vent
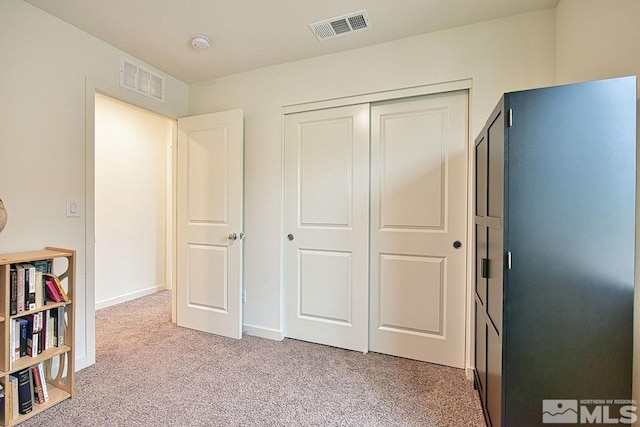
{"type": "Point", "coordinates": [341, 25]}
{"type": "Point", "coordinates": [135, 77]}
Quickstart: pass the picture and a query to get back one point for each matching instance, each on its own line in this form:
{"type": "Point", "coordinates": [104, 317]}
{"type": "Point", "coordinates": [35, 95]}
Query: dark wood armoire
{"type": "Point", "coordinates": [555, 172]}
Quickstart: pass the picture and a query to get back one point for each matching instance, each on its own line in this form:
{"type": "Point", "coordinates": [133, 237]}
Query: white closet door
{"type": "Point", "coordinates": [327, 226]}
{"type": "Point", "coordinates": [418, 212]}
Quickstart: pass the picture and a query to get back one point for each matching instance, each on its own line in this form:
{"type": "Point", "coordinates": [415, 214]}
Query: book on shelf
{"type": "Point", "coordinates": [24, 326]}
{"type": "Point", "coordinates": [30, 286]}
{"type": "Point", "coordinates": [60, 327]}
{"type": "Point", "coordinates": [37, 385]}
{"type": "Point", "coordinates": [51, 291]}
{"type": "Point", "coordinates": [51, 329]}
{"type": "Point", "coordinates": [42, 344]}
{"type": "Point", "coordinates": [43, 266]}
{"type": "Point", "coordinates": [37, 329]}
{"type": "Point", "coordinates": [54, 318]}
{"type": "Point", "coordinates": [40, 316]}
{"type": "Point", "coordinates": [34, 343]}
{"type": "Point", "coordinates": [39, 289]}
{"type": "Point", "coordinates": [25, 402]}
{"type": "Point", "coordinates": [13, 397]}
{"type": "Point", "coordinates": [16, 340]}
{"type": "Point", "coordinates": [58, 293]}
{"type": "Point", "coordinates": [20, 282]}
{"type": "Point", "coordinates": [43, 379]}
{"type": "Point", "coordinates": [32, 391]}
{"type": "Point", "coordinates": [32, 335]}
{"type": "Point", "coordinates": [12, 343]}
{"type": "Point", "coordinates": [13, 290]}
{"type": "Point", "coordinates": [9, 398]}
{"type": "Point", "coordinates": [63, 292]}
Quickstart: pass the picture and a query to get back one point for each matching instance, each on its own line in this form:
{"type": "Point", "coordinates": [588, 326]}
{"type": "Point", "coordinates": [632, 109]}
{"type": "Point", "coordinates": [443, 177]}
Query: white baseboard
{"type": "Point", "coordinates": [81, 362]}
{"type": "Point", "coordinates": [128, 297]}
{"type": "Point", "coordinates": [262, 332]}
{"type": "Point", "coordinates": [469, 372]}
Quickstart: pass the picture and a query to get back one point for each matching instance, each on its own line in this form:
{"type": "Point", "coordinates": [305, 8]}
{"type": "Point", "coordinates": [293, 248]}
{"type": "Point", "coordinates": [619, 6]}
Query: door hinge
{"type": "Point", "coordinates": [508, 261]}
{"type": "Point", "coordinates": [510, 117]}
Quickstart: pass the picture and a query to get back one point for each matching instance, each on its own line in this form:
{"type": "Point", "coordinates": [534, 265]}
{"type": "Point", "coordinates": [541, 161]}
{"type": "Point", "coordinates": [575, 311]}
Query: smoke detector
{"type": "Point", "coordinates": [199, 42]}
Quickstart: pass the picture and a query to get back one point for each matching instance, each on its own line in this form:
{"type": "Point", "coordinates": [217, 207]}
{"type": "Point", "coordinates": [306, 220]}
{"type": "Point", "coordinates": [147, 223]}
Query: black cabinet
{"type": "Point", "coordinates": [555, 172]}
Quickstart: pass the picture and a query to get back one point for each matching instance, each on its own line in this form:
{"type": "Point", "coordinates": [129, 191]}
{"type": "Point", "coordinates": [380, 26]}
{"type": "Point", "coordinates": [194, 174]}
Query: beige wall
{"type": "Point", "coordinates": [501, 55]}
{"type": "Point", "coordinates": [44, 65]}
{"type": "Point", "coordinates": [131, 146]}
{"type": "Point", "coordinates": [596, 40]}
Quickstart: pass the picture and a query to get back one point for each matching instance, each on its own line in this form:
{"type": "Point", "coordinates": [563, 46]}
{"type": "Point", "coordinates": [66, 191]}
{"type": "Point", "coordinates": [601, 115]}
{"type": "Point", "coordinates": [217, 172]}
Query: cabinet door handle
{"type": "Point", "coordinates": [484, 273]}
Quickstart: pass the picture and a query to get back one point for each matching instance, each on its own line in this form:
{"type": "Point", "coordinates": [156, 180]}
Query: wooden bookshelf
{"type": "Point", "coordinates": [58, 361]}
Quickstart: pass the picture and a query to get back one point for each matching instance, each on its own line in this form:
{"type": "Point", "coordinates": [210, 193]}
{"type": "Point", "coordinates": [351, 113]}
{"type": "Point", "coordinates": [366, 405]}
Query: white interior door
{"type": "Point", "coordinates": [209, 223]}
{"type": "Point", "coordinates": [327, 226]}
{"type": "Point", "coordinates": [418, 211]}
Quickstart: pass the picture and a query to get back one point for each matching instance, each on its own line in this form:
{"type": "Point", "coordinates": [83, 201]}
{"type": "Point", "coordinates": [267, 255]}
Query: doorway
{"type": "Point", "coordinates": [133, 202]}
{"type": "Point", "coordinates": [399, 286]}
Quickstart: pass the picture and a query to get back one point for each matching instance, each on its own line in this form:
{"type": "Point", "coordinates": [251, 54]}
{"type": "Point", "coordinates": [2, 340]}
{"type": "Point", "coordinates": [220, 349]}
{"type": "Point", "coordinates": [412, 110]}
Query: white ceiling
{"type": "Point", "coordinates": [250, 34]}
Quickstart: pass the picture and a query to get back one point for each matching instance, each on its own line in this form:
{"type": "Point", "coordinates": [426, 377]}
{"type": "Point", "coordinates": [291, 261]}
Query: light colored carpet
{"type": "Point", "coordinates": [150, 372]}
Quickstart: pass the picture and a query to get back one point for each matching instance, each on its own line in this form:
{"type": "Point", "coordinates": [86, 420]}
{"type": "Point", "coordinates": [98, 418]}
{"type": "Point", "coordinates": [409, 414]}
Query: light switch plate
{"type": "Point", "coordinates": [73, 208]}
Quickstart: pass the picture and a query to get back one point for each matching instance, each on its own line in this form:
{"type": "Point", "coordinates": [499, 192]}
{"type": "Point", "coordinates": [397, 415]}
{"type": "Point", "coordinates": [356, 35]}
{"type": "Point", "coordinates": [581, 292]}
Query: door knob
{"type": "Point", "coordinates": [233, 236]}
{"type": "Point", "coordinates": [290, 236]}
{"type": "Point", "coordinates": [457, 244]}
{"type": "Point", "coordinates": [242, 236]}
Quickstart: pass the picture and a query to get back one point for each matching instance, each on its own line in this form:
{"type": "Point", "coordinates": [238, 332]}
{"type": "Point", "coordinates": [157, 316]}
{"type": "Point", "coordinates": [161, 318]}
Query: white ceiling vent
{"type": "Point", "coordinates": [341, 25]}
{"type": "Point", "coordinates": [138, 79]}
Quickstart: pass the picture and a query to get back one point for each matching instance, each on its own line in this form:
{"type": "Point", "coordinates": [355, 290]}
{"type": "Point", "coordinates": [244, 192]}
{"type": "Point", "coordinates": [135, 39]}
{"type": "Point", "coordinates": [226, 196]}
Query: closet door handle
{"type": "Point", "coordinates": [484, 273]}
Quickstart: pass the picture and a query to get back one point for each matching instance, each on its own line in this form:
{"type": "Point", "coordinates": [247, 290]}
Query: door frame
{"type": "Point", "coordinates": [93, 86]}
{"type": "Point", "coordinates": [392, 95]}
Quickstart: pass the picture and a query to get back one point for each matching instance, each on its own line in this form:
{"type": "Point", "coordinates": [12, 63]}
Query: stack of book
{"type": "Point", "coordinates": [33, 327]}
{"type": "Point", "coordinates": [33, 285]}
{"type": "Point", "coordinates": [34, 333]}
{"type": "Point", "coordinates": [26, 388]}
